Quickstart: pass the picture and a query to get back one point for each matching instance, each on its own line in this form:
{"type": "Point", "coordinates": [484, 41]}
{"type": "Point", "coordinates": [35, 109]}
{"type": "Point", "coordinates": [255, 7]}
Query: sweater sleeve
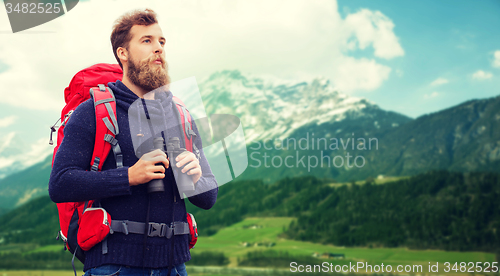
{"type": "Point", "coordinates": [71, 179]}
{"type": "Point", "coordinates": [207, 181]}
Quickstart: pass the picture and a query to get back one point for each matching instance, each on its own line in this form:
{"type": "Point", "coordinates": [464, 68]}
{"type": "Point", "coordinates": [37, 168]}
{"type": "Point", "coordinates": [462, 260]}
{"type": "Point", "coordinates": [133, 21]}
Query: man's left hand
{"type": "Point", "coordinates": [192, 167]}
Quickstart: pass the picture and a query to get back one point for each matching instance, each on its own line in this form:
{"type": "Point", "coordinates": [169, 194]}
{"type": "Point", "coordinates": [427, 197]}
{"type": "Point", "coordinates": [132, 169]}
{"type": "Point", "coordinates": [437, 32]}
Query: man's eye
{"type": "Point", "coordinates": [147, 40]}
{"type": "Point", "coordinates": [162, 42]}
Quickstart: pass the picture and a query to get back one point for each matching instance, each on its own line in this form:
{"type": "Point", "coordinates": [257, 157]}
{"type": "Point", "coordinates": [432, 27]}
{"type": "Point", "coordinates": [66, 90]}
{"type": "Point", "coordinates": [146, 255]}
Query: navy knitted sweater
{"type": "Point", "coordinates": [71, 180]}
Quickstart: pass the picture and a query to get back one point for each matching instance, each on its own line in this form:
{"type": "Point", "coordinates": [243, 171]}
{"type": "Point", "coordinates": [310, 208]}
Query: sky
{"type": "Point", "coordinates": [411, 57]}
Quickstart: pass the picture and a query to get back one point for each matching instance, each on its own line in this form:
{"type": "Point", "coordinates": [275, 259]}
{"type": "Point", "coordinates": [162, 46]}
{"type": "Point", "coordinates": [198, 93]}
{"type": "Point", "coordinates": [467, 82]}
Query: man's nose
{"type": "Point", "coordinates": [158, 48]}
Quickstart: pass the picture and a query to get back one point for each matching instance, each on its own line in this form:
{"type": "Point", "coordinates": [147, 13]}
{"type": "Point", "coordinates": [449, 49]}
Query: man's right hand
{"type": "Point", "coordinates": [146, 169]}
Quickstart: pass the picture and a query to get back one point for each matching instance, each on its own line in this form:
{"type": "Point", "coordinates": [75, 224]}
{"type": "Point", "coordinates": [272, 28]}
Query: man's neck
{"type": "Point", "coordinates": [134, 88]}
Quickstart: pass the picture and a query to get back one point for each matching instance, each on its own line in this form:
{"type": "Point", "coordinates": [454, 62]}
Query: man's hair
{"type": "Point", "coordinates": [120, 37]}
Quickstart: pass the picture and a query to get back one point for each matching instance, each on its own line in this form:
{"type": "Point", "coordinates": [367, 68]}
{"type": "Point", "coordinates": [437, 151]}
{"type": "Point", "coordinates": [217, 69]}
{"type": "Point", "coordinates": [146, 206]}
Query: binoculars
{"type": "Point", "coordinates": [183, 180]}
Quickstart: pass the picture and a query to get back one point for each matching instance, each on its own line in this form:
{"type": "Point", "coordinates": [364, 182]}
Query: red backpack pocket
{"type": "Point", "coordinates": [94, 227]}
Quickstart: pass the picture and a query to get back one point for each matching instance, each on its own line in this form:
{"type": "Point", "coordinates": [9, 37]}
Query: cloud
{"type": "Point", "coordinates": [439, 81]}
{"type": "Point", "coordinates": [7, 121]}
{"type": "Point", "coordinates": [432, 95]}
{"type": "Point", "coordinates": [481, 75]}
{"type": "Point", "coordinates": [371, 77]}
{"type": "Point", "coordinates": [496, 61]}
{"type": "Point", "coordinates": [374, 28]}
{"type": "Point", "coordinates": [4, 163]}
{"type": "Point", "coordinates": [6, 140]}
{"type": "Point", "coordinates": [287, 39]}
{"type": "Point", "coordinates": [38, 152]}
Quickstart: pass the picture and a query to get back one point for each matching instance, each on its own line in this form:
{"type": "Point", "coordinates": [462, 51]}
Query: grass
{"type": "Point", "coordinates": [207, 271]}
{"type": "Point", "coordinates": [259, 233]}
{"type": "Point", "coordinates": [48, 248]}
{"type": "Point", "coordinates": [29, 248]}
{"type": "Point", "coordinates": [266, 230]}
{"type": "Point", "coordinates": [37, 273]}
{"type": "Point", "coordinates": [17, 248]}
{"type": "Point", "coordinates": [377, 181]}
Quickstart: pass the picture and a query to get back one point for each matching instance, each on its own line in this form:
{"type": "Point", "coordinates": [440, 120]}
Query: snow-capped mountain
{"type": "Point", "coordinates": [16, 154]}
{"type": "Point", "coordinates": [272, 108]}
{"type": "Point", "coordinates": [463, 138]}
{"type": "Point", "coordinates": [268, 107]}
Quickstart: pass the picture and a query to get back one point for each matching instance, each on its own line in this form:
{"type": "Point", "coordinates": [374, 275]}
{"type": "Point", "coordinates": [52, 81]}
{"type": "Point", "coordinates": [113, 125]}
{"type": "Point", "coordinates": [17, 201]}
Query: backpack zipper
{"type": "Point", "coordinates": [66, 117]}
{"type": "Point", "coordinates": [105, 219]}
{"type": "Point", "coordinates": [54, 128]}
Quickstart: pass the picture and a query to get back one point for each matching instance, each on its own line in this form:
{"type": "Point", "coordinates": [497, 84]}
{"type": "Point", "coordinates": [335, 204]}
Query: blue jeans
{"type": "Point", "coordinates": [115, 270]}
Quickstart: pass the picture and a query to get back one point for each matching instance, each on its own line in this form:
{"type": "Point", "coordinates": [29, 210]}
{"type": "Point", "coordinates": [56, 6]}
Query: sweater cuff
{"type": "Point", "coordinates": [118, 180]}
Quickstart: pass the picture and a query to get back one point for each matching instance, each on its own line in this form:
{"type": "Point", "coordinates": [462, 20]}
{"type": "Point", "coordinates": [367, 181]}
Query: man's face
{"type": "Point", "coordinates": [147, 67]}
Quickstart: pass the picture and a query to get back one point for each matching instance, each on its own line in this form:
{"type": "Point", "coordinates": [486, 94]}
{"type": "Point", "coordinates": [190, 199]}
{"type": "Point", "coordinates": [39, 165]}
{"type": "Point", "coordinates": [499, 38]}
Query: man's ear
{"type": "Point", "coordinates": [122, 54]}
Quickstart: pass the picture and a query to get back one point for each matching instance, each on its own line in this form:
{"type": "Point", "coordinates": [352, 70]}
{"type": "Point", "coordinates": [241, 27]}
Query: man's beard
{"type": "Point", "coordinates": [148, 75]}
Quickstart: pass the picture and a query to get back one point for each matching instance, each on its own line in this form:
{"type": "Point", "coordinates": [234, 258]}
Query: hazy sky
{"type": "Point", "coordinates": [412, 57]}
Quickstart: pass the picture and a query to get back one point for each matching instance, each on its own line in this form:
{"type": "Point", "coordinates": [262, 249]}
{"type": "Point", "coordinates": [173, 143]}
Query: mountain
{"type": "Point", "coordinates": [38, 220]}
{"type": "Point", "coordinates": [16, 155]}
{"type": "Point", "coordinates": [290, 126]}
{"type": "Point", "coordinates": [18, 188]}
{"type": "Point", "coordinates": [10, 147]}
{"type": "Point", "coordinates": [274, 108]}
{"type": "Point", "coordinates": [461, 138]}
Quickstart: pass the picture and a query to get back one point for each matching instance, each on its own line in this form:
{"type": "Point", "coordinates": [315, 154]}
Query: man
{"type": "Point", "coordinates": [138, 45]}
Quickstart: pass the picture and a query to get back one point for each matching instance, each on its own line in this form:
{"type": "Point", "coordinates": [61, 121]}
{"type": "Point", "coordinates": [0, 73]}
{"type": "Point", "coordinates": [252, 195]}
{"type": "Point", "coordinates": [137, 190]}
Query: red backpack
{"type": "Point", "coordinates": [89, 83]}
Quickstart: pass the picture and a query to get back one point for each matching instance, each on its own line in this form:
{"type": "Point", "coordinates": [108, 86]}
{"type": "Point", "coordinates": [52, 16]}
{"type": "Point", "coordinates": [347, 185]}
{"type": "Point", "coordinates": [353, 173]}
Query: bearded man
{"type": "Point", "coordinates": [138, 45]}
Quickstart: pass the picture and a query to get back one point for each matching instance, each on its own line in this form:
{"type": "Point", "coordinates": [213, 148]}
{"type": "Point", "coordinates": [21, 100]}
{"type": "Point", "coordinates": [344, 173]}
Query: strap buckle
{"type": "Point", "coordinates": [170, 230]}
{"type": "Point", "coordinates": [110, 139]}
{"type": "Point", "coordinates": [156, 229]}
{"type": "Point", "coordinates": [95, 164]}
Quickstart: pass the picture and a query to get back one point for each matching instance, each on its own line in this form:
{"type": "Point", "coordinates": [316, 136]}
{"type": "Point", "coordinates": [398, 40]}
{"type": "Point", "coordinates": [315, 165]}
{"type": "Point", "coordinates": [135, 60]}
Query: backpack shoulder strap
{"type": "Point", "coordinates": [186, 126]}
{"type": "Point", "coordinates": [106, 127]}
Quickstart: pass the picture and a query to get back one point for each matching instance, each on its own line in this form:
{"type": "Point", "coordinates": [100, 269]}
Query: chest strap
{"type": "Point", "coordinates": [154, 229]}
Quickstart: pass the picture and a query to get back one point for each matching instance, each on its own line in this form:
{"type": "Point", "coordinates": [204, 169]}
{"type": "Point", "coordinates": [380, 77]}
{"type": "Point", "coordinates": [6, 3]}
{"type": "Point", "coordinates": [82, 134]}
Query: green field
{"type": "Point", "coordinates": [262, 234]}
{"type": "Point", "coordinates": [37, 273]}
{"type": "Point", "coordinates": [266, 230]}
